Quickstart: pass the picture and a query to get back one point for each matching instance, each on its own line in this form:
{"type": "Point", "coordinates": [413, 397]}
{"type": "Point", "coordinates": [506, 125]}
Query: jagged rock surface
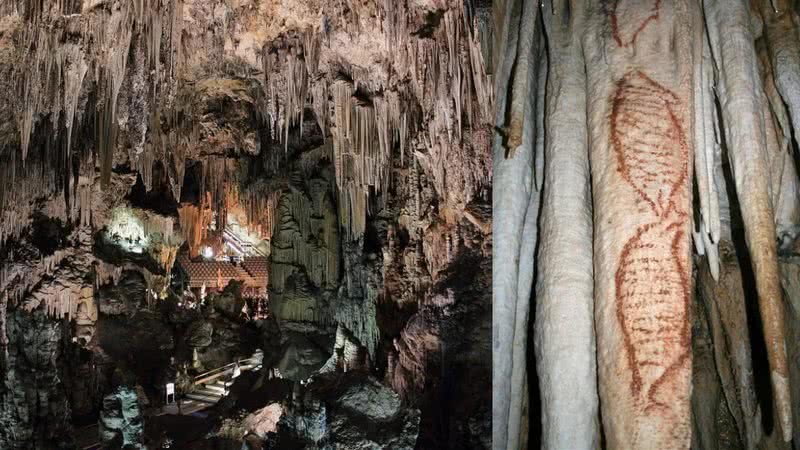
{"type": "Point", "coordinates": [35, 411]}
{"type": "Point", "coordinates": [121, 423]}
{"type": "Point", "coordinates": [354, 412]}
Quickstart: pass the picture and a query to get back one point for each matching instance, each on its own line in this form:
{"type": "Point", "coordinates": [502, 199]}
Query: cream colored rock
{"type": "Point", "coordinates": [640, 121]}
{"type": "Point", "coordinates": [565, 355]}
{"type": "Point", "coordinates": [740, 91]}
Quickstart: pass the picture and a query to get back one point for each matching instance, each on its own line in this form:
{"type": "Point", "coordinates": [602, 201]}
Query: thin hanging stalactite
{"type": "Point", "coordinates": [565, 362]}
{"type": "Point", "coordinates": [512, 198]}
{"type": "Point", "coordinates": [739, 92]}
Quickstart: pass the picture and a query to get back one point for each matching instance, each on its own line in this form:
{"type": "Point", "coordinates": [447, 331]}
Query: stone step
{"type": "Point", "coordinates": [222, 383]}
{"type": "Point", "coordinates": [209, 392]}
{"type": "Point", "coordinates": [221, 390]}
{"type": "Point", "coordinates": [203, 397]}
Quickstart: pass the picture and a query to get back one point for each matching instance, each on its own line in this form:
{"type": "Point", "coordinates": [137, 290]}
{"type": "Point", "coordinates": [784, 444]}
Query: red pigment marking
{"type": "Point", "coordinates": [685, 337]}
{"type": "Point", "coordinates": [651, 281]}
{"type": "Point", "coordinates": [646, 155]}
{"type": "Point", "coordinates": [615, 31]}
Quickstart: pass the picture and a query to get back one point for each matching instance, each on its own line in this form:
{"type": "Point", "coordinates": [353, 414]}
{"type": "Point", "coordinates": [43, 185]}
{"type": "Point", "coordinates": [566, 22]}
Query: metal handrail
{"type": "Point", "coordinates": [206, 376]}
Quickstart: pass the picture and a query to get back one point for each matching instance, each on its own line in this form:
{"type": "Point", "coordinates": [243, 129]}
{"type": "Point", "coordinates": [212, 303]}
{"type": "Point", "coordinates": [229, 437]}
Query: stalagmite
{"type": "Point", "coordinates": [740, 91]}
{"type": "Point", "coordinates": [565, 355]}
{"type": "Point", "coordinates": [640, 123]}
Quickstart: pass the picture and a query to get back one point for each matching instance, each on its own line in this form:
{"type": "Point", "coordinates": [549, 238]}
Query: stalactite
{"type": "Point", "coordinates": [194, 221]}
{"type": "Point", "coordinates": [73, 83]}
{"type": "Point", "coordinates": [3, 334]}
{"type": "Point", "coordinates": [739, 87]}
{"type": "Point", "coordinates": [311, 51]}
{"type": "Point", "coordinates": [706, 143]}
{"type": "Point", "coordinates": [565, 356]}
{"type": "Point", "coordinates": [782, 30]}
{"type": "Point", "coordinates": [110, 76]}
{"type": "Point", "coordinates": [723, 298]}
{"type": "Point", "coordinates": [782, 171]}
{"type": "Point", "coordinates": [512, 194]}
{"type": "Point", "coordinates": [296, 90]}
{"type": "Point", "coordinates": [321, 105]}
{"type": "Point", "coordinates": [639, 97]}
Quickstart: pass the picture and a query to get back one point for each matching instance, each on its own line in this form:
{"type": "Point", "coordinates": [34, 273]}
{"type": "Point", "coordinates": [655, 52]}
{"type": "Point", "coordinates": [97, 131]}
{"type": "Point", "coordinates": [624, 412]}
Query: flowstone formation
{"type": "Point", "coordinates": [121, 420]}
{"type": "Point", "coordinates": [645, 166]}
{"type": "Point", "coordinates": [184, 182]}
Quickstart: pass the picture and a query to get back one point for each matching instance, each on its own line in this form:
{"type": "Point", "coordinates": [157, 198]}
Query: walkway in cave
{"type": "Point", "coordinates": [212, 386]}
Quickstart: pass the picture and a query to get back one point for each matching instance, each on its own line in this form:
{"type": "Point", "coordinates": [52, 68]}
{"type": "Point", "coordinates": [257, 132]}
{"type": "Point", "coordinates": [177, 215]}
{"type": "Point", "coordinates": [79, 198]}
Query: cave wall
{"type": "Point", "coordinates": [305, 255]}
{"type": "Point", "coordinates": [35, 411]}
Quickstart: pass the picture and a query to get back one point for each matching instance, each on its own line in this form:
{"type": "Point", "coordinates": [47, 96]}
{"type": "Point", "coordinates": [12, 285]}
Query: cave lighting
{"type": "Point", "coordinates": [127, 231]}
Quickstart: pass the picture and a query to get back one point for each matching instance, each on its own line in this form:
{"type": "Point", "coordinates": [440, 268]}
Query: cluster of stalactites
{"type": "Point", "coordinates": [195, 220]}
{"type": "Point", "coordinates": [64, 49]}
{"type": "Point", "coordinates": [254, 209]}
{"type": "Point", "coordinates": [21, 184]}
{"type": "Point", "coordinates": [106, 273]}
{"type": "Point", "coordinates": [778, 54]}
{"type": "Point", "coordinates": [315, 245]}
{"type": "Point", "coordinates": [363, 139]}
{"type": "Point", "coordinates": [60, 48]}
{"type": "Point", "coordinates": [298, 56]}
{"type": "Point", "coordinates": [449, 80]}
{"type": "Point", "coordinates": [440, 81]}
{"type": "Point", "coordinates": [16, 195]}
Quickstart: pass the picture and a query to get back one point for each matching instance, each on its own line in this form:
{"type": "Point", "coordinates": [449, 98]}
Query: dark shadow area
{"type": "Point", "coordinates": [192, 183]}
{"type": "Point", "coordinates": [761, 378]}
{"type": "Point", "coordinates": [159, 199]}
{"type": "Point", "coordinates": [456, 391]}
{"type": "Point", "coordinates": [49, 234]}
{"type": "Point", "coordinates": [432, 20]}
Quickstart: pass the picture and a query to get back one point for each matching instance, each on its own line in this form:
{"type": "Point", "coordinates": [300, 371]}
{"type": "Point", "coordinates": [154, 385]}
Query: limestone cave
{"type": "Point", "coordinates": [245, 224]}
